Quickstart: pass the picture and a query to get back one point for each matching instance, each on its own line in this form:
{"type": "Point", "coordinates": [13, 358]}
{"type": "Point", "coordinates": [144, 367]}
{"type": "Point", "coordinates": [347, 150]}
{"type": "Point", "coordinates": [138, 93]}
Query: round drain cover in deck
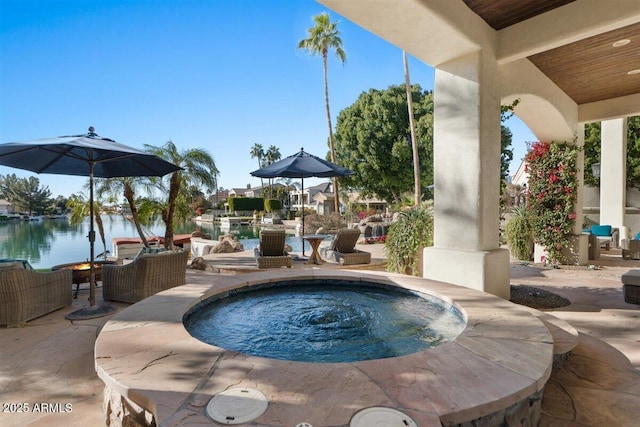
{"type": "Point", "coordinates": [237, 406]}
{"type": "Point", "coordinates": [381, 417]}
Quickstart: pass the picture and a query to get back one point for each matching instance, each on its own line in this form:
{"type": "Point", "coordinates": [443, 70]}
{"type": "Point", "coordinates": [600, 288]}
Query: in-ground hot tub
{"type": "Point", "coordinates": [325, 321]}
{"type": "Point", "coordinates": [496, 367]}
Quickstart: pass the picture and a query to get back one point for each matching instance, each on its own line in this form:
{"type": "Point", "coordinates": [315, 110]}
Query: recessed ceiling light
{"type": "Point", "coordinates": [636, 71]}
{"type": "Point", "coordinates": [621, 42]}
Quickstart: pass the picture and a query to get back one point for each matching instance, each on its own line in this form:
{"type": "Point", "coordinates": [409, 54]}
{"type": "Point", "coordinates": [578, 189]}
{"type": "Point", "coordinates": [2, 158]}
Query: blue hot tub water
{"type": "Point", "coordinates": [325, 321]}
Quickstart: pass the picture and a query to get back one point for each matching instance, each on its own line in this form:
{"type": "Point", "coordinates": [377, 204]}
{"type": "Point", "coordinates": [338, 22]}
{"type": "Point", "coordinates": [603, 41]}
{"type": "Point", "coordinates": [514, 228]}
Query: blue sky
{"type": "Point", "coordinates": [214, 74]}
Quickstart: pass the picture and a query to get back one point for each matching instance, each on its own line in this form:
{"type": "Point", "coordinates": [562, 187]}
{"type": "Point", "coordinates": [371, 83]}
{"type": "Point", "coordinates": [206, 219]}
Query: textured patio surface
{"type": "Point", "coordinates": [49, 363]}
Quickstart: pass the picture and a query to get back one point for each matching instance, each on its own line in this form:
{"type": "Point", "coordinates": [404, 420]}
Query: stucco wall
{"type": "Point", "coordinates": [632, 214]}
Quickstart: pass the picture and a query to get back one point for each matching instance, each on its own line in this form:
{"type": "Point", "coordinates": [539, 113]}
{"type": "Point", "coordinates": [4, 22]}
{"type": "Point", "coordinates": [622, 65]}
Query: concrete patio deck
{"type": "Point", "coordinates": [49, 363]}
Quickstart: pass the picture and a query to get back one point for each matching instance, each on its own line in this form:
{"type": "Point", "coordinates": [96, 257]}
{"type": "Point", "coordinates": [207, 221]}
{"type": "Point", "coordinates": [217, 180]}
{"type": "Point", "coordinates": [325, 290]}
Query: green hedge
{"type": "Point", "coordinates": [271, 205]}
{"type": "Point", "coordinates": [246, 204]}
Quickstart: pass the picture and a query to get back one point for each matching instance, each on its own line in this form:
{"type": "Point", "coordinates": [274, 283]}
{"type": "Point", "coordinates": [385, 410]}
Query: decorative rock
{"type": "Point", "coordinates": [223, 247]}
{"type": "Point", "coordinates": [225, 244]}
{"type": "Point", "coordinates": [201, 235]}
{"type": "Point", "coordinates": [231, 238]}
{"type": "Point", "coordinates": [198, 264]}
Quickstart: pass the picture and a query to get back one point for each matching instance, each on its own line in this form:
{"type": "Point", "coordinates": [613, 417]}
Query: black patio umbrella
{"type": "Point", "coordinates": [84, 155]}
{"type": "Point", "coordinates": [302, 165]}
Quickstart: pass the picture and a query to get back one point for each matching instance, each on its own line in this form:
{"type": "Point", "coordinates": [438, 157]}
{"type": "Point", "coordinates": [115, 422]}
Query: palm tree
{"type": "Point", "coordinates": [414, 141]}
{"type": "Point", "coordinates": [323, 36]}
{"type": "Point", "coordinates": [198, 168]}
{"type": "Point", "coordinates": [125, 186]}
{"type": "Point", "coordinates": [257, 152]}
{"type": "Point", "coordinates": [272, 155]}
{"type": "Point", "coordinates": [79, 206]}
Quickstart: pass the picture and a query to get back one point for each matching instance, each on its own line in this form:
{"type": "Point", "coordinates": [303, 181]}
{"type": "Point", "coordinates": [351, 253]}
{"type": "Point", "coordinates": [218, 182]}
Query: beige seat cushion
{"type": "Point", "coordinates": [12, 264]}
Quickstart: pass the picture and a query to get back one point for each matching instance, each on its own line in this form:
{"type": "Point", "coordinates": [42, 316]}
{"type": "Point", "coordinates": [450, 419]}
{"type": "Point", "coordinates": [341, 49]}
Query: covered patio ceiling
{"type": "Point", "coordinates": [590, 49]}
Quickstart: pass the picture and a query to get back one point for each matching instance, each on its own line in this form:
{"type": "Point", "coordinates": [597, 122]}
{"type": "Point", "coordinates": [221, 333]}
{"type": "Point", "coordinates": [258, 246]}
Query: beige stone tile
{"type": "Point", "coordinates": [602, 376]}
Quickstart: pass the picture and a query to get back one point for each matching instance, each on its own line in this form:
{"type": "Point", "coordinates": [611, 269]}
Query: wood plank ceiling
{"type": "Point", "coordinates": [589, 70]}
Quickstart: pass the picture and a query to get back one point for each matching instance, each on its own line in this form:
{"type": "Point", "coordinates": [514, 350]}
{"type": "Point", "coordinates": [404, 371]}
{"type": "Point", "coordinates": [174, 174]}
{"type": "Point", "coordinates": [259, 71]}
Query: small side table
{"type": "Point", "coordinates": [314, 241]}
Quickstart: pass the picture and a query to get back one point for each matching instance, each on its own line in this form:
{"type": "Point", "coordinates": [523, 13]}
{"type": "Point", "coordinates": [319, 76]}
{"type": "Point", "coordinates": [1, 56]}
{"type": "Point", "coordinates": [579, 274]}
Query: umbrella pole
{"type": "Point", "coordinates": [92, 238]}
{"type": "Point", "coordinates": [302, 216]}
{"type": "Point", "coordinates": [93, 311]}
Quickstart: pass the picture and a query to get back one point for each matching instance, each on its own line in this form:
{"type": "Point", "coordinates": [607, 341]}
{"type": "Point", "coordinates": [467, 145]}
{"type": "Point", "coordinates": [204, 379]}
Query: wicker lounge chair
{"type": "Point", "coordinates": [145, 276]}
{"type": "Point", "coordinates": [631, 248]}
{"type": "Point", "coordinates": [270, 252]}
{"type": "Point", "coordinates": [27, 294]}
{"type": "Point", "coordinates": [342, 248]}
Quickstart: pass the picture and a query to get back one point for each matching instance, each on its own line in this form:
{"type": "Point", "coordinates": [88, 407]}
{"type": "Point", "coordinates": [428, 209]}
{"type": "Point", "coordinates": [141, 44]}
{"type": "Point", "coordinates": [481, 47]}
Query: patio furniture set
{"type": "Point", "coordinates": [607, 237]}
{"type": "Point", "coordinates": [26, 294]}
{"type": "Point", "coordinates": [271, 252]}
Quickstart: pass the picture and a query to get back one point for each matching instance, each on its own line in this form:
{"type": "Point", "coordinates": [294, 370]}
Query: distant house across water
{"type": "Point", "coordinates": [6, 208]}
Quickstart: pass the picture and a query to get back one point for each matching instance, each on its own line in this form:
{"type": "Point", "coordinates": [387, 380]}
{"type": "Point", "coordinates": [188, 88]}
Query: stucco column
{"type": "Point", "coordinates": [613, 174]}
{"type": "Point", "coordinates": [467, 178]}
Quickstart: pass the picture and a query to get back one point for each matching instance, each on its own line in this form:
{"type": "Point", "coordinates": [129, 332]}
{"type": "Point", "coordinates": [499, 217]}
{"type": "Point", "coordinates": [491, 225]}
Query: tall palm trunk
{"type": "Point", "coordinates": [412, 125]}
{"type": "Point", "coordinates": [336, 199]}
{"type": "Point", "coordinates": [98, 218]}
{"type": "Point", "coordinates": [261, 180]}
{"type": "Point", "coordinates": [167, 215]}
{"type": "Point", "coordinates": [129, 195]}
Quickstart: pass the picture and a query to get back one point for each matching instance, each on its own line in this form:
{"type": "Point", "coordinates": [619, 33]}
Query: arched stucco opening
{"type": "Point", "coordinates": [545, 121]}
{"type": "Point", "coordinates": [548, 122]}
{"type": "Point", "coordinates": [549, 112]}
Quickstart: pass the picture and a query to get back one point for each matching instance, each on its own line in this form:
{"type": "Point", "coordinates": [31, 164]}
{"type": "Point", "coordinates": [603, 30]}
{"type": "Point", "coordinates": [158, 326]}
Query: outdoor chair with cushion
{"type": "Point", "coordinates": [631, 247]}
{"type": "Point", "coordinates": [145, 276]}
{"type": "Point", "coordinates": [607, 235]}
{"type": "Point", "coordinates": [270, 252]}
{"type": "Point", "coordinates": [342, 248]}
{"type": "Point", "coordinates": [27, 294]}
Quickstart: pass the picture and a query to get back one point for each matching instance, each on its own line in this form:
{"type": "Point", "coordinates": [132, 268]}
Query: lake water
{"type": "Point", "coordinates": [54, 241]}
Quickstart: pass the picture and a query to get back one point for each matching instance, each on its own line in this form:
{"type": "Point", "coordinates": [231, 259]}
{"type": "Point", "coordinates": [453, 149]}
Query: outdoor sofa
{"type": "Point", "coordinates": [146, 275]}
{"type": "Point", "coordinates": [27, 294]}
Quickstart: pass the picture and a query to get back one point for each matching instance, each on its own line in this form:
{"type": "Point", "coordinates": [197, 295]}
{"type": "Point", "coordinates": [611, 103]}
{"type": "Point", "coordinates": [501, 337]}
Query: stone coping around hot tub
{"type": "Point", "coordinates": [503, 357]}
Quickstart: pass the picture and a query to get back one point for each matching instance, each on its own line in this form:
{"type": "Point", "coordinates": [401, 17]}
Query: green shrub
{"type": "Point", "coordinates": [332, 222]}
{"type": "Point", "coordinates": [519, 234]}
{"type": "Point", "coordinates": [246, 204]}
{"type": "Point", "coordinates": [271, 205]}
{"type": "Point", "coordinates": [406, 238]}
{"type": "Point", "coordinates": [553, 188]}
